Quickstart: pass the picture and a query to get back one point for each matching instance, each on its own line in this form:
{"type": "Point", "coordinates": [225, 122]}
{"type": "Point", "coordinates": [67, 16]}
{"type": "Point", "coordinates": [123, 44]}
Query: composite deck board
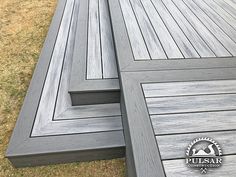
{"type": "Point", "coordinates": [180, 38]}
{"type": "Point", "coordinates": [168, 43]}
{"type": "Point", "coordinates": [226, 16]}
{"type": "Point", "coordinates": [152, 41]}
{"type": "Point", "coordinates": [101, 61]}
{"type": "Point", "coordinates": [217, 19]}
{"type": "Point", "coordinates": [221, 12]}
{"type": "Point", "coordinates": [196, 103]}
{"type": "Point", "coordinates": [207, 35]}
{"type": "Point", "coordinates": [175, 146]}
{"type": "Point", "coordinates": [189, 30]}
{"type": "Point", "coordinates": [228, 43]}
{"type": "Point", "coordinates": [180, 29]}
{"type": "Point", "coordinates": [227, 8]}
{"type": "Point", "coordinates": [138, 45]}
{"type": "Point", "coordinates": [108, 51]}
{"type": "Point", "coordinates": [189, 88]}
{"type": "Point", "coordinates": [193, 122]}
{"type": "Point", "coordinates": [178, 168]}
{"type": "Point", "coordinates": [94, 58]}
{"type": "Point", "coordinates": [52, 81]}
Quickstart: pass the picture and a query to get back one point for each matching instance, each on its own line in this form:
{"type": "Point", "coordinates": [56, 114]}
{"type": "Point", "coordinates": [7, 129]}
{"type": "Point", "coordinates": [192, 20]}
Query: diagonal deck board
{"type": "Point", "coordinates": [166, 103]}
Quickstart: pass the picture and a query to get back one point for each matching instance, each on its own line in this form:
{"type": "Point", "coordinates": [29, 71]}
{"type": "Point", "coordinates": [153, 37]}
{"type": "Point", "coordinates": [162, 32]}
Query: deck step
{"type": "Point", "coordinates": [94, 78]}
{"type": "Point", "coordinates": [49, 128]}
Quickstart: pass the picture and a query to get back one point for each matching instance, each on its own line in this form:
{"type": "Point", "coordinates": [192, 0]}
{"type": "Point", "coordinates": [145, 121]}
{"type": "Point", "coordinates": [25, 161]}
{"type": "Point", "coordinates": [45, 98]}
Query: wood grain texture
{"type": "Point", "coordinates": [178, 168]}
{"type": "Point", "coordinates": [229, 9]}
{"type": "Point", "coordinates": [228, 43]}
{"type": "Point", "coordinates": [94, 58]}
{"type": "Point", "coordinates": [190, 31]}
{"type": "Point", "coordinates": [197, 103]}
{"type": "Point", "coordinates": [108, 51]}
{"type": "Point", "coordinates": [182, 41]}
{"type": "Point", "coordinates": [63, 100]}
{"type": "Point", "coordinates": [207, 35]}
{"type": "Point", "coordinates": [189, 88]}
{"type": "Point", "coordinates": [151, 39]}
{"type": "Point", "coordinates": [174, 146]}
{"type": "Point", "coordinates": [193, 122]}
{"type": "Point", "coordinates": [229, 30]}
{"type": "Point", "coordinates": [169, 45]}
{"type": "Point", "coordinates": [49, 93]}
{"type": "Point", "coordinates": [87, 111]}
{"type": "Point", "coordinates": [226, 16]}
{"type": "Point", "coordinates": [135, 36]}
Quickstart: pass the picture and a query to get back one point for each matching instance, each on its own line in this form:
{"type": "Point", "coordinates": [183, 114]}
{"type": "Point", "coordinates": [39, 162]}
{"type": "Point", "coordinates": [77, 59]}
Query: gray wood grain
{"type": "Point", "coordinates": [229, 30]}
{"type": "Point", "coordinates": [229, 9]}
{"type": "Point", "coordinates": [86, 111]}
{"type": "Point", "coordinates": [231, 3]}
{"type": "Point", "coordinates": [63, 98]}
{"type": "Point", "coordinates": [183, 104]}
{"type": "Point", "coordinates": [108, 51]}
{"type": "Point", "coordinates": [193, 122]}
{"type": "Point", "coordinates": [169, 45]}
{"type": "Point", "coordinates": [207, 36]}
{"type": "Point", "coordinates": [152, 41]}
{"type": "Point", "coordinates": [189, 88]}
{"type": "Point", "coordinates": [77, 126]}
{"type": "Point", "coordinates": [182, 41]}
{"type": "Point", "coordinates": [135, 36]}
{"type": "Point", "coordinates": [229, 44]}
{"type": "Point", "coordinates": [94, 58]}
{"type": "Point", "coordinates": [191, 32]}
{"type": "Point", "coordinates": [49, 93]}
{"type": "Point", "coordinates": [174, 146]}
{"type": "Point", "coordinates": [228, 18]}
{"type": "Point", "coordinates": [178, 168]}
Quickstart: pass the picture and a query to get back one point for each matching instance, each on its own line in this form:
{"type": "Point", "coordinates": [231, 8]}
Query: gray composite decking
{"type": "Point", "coordinates": [176, 61]}
{"type": "Point", "coordinates": [94, 77]}
{"type": "Point", "coordinates": [49, 128]}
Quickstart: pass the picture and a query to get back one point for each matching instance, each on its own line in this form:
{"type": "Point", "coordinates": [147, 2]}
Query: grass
{"type": "Point", "coordinates": [23, 28]}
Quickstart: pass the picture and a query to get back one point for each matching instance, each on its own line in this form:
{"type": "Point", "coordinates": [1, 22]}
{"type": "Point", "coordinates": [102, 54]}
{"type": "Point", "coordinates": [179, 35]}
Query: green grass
{"type": "Point", "coordinates": [23, 28]}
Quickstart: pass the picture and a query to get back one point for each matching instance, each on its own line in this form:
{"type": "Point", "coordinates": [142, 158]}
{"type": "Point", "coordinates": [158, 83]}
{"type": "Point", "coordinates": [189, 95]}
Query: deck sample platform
{"type": "Point", "coordinates": [176, 61]}
{"type": "Point", "coordinates": [49, 128]}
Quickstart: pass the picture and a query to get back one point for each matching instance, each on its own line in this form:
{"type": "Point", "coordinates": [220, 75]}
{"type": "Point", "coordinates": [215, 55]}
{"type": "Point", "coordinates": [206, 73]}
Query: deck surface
{"type": "Point", "coordinates": [176, 61]}
{"type": "Point", "coordinates": [94, 78]}
{"type": "Point", "coordinates": [49, 128]}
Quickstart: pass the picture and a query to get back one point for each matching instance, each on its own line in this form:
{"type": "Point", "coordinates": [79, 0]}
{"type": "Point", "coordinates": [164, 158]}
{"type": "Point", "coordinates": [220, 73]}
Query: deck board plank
{"type": "Point", "coordinates": [229, 44]}
{"type": "Point", "coordinates": [189, 88]}
{"type": "Point", "coordinates": [161, 30]}
{"type": "Point", "coordinates": [207, 35]}
{"type": "Point", "coordinates": [199, 103]}
{"type": "Point", "coordinates": [217, 19]}
{"type": "Point", "coordinates": [178, 168]}
{"type": "Point", "coordinates": [199, 44]}
{"type": "Point", "coordinates": [193, 122]}
{"type": "Point", "coordinates": [152, 41]}
{"type": "Point", "coordinates": [221, 12]}
{"type": "Point", "coordinates": [94, 58]}
{"type": "Point", "coordinates": [184, 44]}
{"type": "Point", "coordinates": [229, 9]}
{"type": "Point", "coordinates": [136, 40]}
{"type": "Point", "coordinates": [108, 51]}
{"type": "Point", "coordinates": [174, 146]}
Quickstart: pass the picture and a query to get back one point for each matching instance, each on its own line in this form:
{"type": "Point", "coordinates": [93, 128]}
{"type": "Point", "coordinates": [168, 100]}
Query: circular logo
{"type": "Point", "coordinates": [203, 153]}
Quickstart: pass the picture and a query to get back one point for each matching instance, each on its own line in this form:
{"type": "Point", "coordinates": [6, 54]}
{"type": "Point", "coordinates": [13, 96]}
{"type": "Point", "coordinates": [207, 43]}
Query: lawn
{"type": "Point", "coordinates": [23, 28]}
